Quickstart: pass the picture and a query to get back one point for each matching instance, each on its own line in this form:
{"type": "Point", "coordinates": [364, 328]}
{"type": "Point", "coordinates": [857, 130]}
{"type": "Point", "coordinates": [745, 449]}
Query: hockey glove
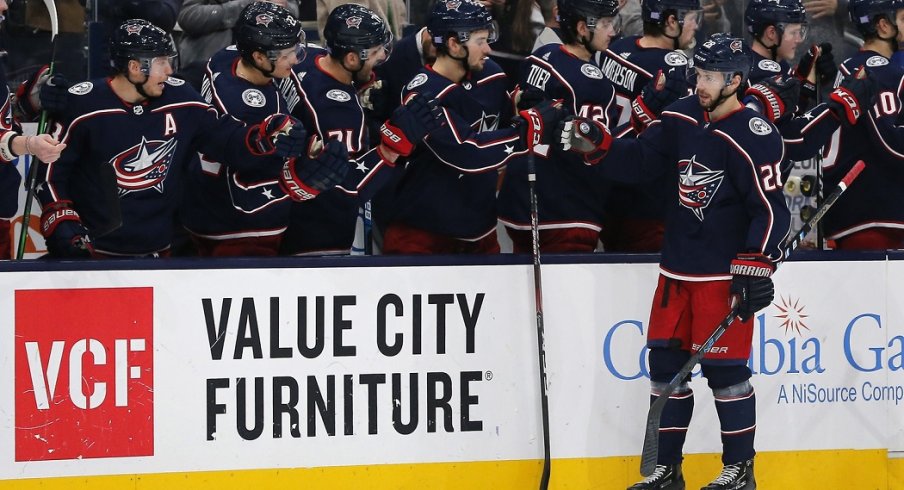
{"type": "Point", "coordinates": [64, 233]}
{"type": "Point", "coordinates": [373, 97]}
{"type": "Point", "coordinates": [663, 89]}
{"type": "Point", "coordinates": [777, 95]}
{"type": "Point", "coordinates": [585, 136]}
{"type": "Point", "coordinates": [410, 123]}
{"type": "Point", "coordinates": [279, 134]}
{"type": "Point", "coordinates": [852, 97]}
{"type": "Point", "coordinates": [305, 177]}
{"type": "Point", "coordinates": [35, 94]}
{"type": "Point", "coordinates": [751, 283]}
{"type": "Point", "coordinates": [527, 98]}
{"type": "Point", "coordinates": [819, 58]}
{"type": "Point", "coordinates": [537, 125]}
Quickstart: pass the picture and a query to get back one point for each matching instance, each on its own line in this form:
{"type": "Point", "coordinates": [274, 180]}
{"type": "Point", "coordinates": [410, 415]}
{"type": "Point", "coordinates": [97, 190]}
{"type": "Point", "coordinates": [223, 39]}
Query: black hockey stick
{"type": "Point", "coordinates": [42, 127]}
{"type": "Point", "coordinates": [650, 454]}
{"type": "Point", "coordinates": [538, 301]}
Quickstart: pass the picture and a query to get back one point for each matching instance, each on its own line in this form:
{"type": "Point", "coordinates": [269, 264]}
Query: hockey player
{"type": "Point", "coordinates": [570, 204]}
{"type": "Point", "coordinates": [446, 201]}
{"type": "Point", "coordinates": [856, 124]}
{"type": "Point", "coordinates": [357, 39]}
{"type": "Point", "coordinates": [723, 238]}
{"type": "Point", "coordinates": [777, 27]}
{"type": "Point", "coordinates": [228, 212]}
{"type": "Point", "coordinates": [635, 215]}
{"type": "Point", "coordinates": [129, 139]}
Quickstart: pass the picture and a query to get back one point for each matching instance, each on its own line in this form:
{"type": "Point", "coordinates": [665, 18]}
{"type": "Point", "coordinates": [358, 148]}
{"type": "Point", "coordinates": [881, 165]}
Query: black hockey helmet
{"type": "Point", "coordinates": [138, 39]}
{"type": "Point", "coordinates": [761, 14]}
{"type": "Point", "coordinates": [725, 54]}
{"type": "Point", "coordinates": [656, 11]}
{"type": "Point", "coordinates": [865, 13]}
{"type": "Point", "coordinates": [459, 18]}
{"type": "Point", "coordinates": [268, 28]}
{"type": "Point", "coordinates": [571, 11]}
{"type": "Point", "coordinates": [352, 28]}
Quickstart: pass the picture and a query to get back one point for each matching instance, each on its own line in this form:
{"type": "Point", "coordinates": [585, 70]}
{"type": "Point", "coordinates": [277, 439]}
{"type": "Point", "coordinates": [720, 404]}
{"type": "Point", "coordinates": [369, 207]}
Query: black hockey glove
{"type": "Point", "coordinates": [662, 90]}
{"type": "Point", "coordinates": [852, 97]}
{"type": "Point", "coordinates": [751, 283]}
{"type": "Point", "coordinates": [527, 98]}
{"type": "Point", "coordinates": [64, 233]}
{"type": "Point", "coordinates": [777, 95]}
{"type": "Point", "coordinates": [410, 123]}
{"type": "Point", "coordinates": [35, 94]}
{"type": "Point", "coordinates": [305, 177]}
{"type": "Point", "coordinates": [585, 136]}
{"type": "Point", "coordinates": [821, 59]}
{"type": "Point", "coordinates": [373, 97]}
{"type": "Point", "coordinates": [538, 125]}
{"type": "Point", "coordinates": [54, 94]}
{"type": "Point", "coordinates": [279, 134]}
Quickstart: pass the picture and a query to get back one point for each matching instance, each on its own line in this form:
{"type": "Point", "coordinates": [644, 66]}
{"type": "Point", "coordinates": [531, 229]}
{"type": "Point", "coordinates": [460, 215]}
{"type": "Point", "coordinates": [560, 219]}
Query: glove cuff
{"type": "Point", "coordinates": [56, 213]}
{"type": "Point", "coordinates": [773, 107]}
{"type": "Point", "coordinates": [257, 141]}
{"type": "Point", "coordinates": [394, 139]}
{"type": "Point", "coordinates": [292, 184]}
{"type": "Point", "coordinates": [755, 265]}
{"type": "Point", "coordinates": [642, 115]}
{"type": "Point", "coordinates": [843, 101]}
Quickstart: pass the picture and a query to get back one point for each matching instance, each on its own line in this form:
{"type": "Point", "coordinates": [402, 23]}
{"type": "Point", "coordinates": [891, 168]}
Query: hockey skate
{"type": "Point", "coordinates": [738, 476]}
{"type": "Point", "coordinates": [664, 477]}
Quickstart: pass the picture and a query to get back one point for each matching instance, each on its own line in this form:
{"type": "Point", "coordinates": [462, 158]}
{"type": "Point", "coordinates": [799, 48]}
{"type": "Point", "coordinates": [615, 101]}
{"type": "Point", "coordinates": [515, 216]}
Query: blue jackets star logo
{"type": "Point", "coordinates": [697, 185]}
{"type": "Point", "coordinates": [144, 166]}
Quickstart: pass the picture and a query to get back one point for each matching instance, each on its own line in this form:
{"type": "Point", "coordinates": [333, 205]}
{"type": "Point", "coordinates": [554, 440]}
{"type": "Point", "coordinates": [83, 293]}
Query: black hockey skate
{"type": "Point", "coordinates": [738, 476]}
{"type": "Point", "coordinates": [664, 477]}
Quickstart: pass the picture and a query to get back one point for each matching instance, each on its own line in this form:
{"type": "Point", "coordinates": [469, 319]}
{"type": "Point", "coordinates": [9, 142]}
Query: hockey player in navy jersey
{"type": "Point", "coordinates": [116, 187]}
{"type": "Point", "coordinates": [326, 99]}
{"type": "Point", "coordinates": [777, 28]}
{"type": "Point", "coordinates": [635, 214]}
{"type": "Point", "coordinates": [723, 239]}
{"type": "Point", "coordinates": [229, 212]}
{"type": "Point", "coordinates": [570, 203]}
{"type": "Point", "coordinates": [856, 124]}
{"type": "Point", "coordinates": [446, 201]}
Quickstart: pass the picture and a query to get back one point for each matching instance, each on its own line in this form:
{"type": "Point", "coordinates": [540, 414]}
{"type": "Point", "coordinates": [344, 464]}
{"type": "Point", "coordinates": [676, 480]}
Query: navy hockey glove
{"type": "Point", "coordinates": [55, 94]}
{"type": "Point", "coordinates": [279, 134]}
{"type": "Point", "coordinates": [777, 95]}
{"type": "Point", "coordinates": [410, 123]}
{"type": "Point", "coordinates": [306, 177]}
{"type": "Point", "coordinates": [41, 92]}
{"type": "Point", "coordinates": [538, 125]}
{"type": "Point", "coordinates": [527, 98]}
{"type": "Point", "coordinates": [585, 136]}
{"type": "Point", "coordinates": [819, 58]}
{"type": "Point", "coordinates": [852, 97]}
{"type": "Point", "coordinates": [663, 89]}
{"type": "Point", "coordinates": [64, 233]}
{"type": "Point", "coordinates": [751, 283]}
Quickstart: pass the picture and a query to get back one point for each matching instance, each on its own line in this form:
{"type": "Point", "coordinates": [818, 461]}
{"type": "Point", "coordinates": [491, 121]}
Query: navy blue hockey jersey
{"type": "Point", "coordinates": [9, 174]}
{"type": "Point", "coordinates": [727, 186]}
{"type": "Point", "coordinates": [764, 68]}
{"type": "Point", "coordinates": [141, 151]}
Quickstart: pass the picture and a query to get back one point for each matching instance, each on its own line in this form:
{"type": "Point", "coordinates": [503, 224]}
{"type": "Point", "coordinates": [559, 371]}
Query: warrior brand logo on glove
{"type": "Point", "coordinates": [750, 270]}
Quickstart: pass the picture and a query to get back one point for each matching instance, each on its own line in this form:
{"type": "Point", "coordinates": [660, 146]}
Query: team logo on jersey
{"type": "Point", "coordinates": [263, 20]}
{"type": "Point", "coordinates": [453, 5]}
{"type": "Point", "coordinates": [674, 58]}
{"type": "Point", "coordinates": [175, 82]}
{"type": "Point", "coordinates": [697, 185]}
{"type": "Point", "coordinates": [81, 88]}
{"type": "Point", "coordinates": [418, 80]}
{"type": "Point", "coordinates": [769, 65]}
{"type": "Point", "coordinates": [736, 46]}
{"type": "Point", "coordinates": [876, 61]}
{"type": "Point", "coordinates": [487, 122]}
{"type": "Point", "coordinates": [591, 71]}
{"type": "Point", "coordinates": [759, 127]}
{"type": "Point", "coordinates": [338, 95]}
{"type": "Point", "coordinates": [353, 22]}
{"type": "Point", "coordinates": [254, 98]}
{"type": "Point", "coordinates": [144, 166]}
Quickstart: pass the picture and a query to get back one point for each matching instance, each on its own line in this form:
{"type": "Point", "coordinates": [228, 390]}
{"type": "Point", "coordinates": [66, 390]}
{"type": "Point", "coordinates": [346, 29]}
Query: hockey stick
{"type": "Point", "coordinates": [42, 127]}
{"type": "Point", "coordinates": [649, 456]}
{"type": "Point", "coordinates": [538, 302]}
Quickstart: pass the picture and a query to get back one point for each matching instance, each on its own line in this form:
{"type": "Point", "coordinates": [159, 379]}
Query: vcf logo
{"type": "Point", "coordinates": [84, 383]}
{"type": "Point", "coordinates": [697, 185]}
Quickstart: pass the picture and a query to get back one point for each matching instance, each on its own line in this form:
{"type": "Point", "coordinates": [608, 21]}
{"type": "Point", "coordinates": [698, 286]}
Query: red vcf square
{"type": "Point", "coordinates": [84, 373]}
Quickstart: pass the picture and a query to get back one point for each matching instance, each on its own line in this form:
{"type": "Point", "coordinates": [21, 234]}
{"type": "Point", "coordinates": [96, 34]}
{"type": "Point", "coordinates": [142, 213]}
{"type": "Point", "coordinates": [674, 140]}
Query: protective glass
{"type": "Point", "coordinates": [794, 31]}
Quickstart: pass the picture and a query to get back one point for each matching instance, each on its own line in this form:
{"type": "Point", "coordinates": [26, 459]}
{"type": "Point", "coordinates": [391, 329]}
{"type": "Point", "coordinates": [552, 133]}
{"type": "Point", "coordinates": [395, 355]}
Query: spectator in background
{"type": "Point", "coordinates": [827, 21]}
{"type": "Point", "coordinates": [630, 16]}
{"type": "Point", "coordinates": [207, 28]}
{"type": "Point", "coordinates": [28, 24]}
{"type": "Point", "coordinates": [550, 34]}
{"type": "Point", "coordinates": [394, 12]}
{"type": "Point", "coordinates": [520, 21]}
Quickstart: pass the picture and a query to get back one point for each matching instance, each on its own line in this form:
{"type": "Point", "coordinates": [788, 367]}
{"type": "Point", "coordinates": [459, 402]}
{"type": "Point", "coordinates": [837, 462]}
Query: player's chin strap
{"type": "Point", "coordinates": [722, 98]}
{"type": "Point", "coordinates": [773, 50]}
{"type": "Point", "coordinates": [266, 73]}
{"type": "Point", "coordinates": [464, 60]}
{"type": "Point", "coordinates": [675, 39]}
{"type": "Point", "coordinates": [139, 87]}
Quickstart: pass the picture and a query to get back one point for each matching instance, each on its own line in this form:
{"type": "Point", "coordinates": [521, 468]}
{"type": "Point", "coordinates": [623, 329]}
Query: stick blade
{"type": "Point", "coordinates": [650, 454]}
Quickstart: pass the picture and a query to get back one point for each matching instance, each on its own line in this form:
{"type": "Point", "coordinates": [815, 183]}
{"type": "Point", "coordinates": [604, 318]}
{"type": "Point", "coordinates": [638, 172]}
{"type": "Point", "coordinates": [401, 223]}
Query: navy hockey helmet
{"type": "Point", "coordinates": [761, 14]}
{"type": "Point", "coordinates": [864, 13]}
{"type": "Point", "coordinates": [725, 54]}
{"type": "Point", "coordinates": [571, 11]}
{"type": "Point", "coordinates": [656, 11]}
{"type": "Point", "coordinates": [352, 28]}
{"type": "Point", "coordinates": [138, 39]}
{"type": "Point", "coordinates": [268, 28]}
{"type": "Point", "coordinates": [459, 18]}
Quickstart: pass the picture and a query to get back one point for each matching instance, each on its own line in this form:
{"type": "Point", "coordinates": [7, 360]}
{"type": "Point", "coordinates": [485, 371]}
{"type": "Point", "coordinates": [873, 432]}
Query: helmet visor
{"type": "Point", "coordinates": [159, 65]}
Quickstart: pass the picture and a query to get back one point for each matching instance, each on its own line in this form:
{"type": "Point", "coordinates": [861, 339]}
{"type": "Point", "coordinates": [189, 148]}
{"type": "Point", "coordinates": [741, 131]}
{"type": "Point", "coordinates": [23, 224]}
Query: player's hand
{"type": "Point", "coordinates": [751, 283]}
{"type": "Point", "coordinates": [45, 147]}
{"type": "Point", "coordinates": [585, 136]}
{"type": "Point", "coordinates": [852, 97]}
{"type": "Point", "coordinates": [820, 58]}
{"type": "Point", "coordinates": [538, 125]}
{"type": "Point", "coordinates": [527, 98]}
{"type": "Point", "coordinates": [662, 90]}
{"type": "Point", "coordinates": [410, 123]}
{"type": "Point", "coordinates": [305, 177]}
{"type": "Point", "coordinates": [778, 95]}
{"type": "Point", "coordinates": [64, 233]}
{"type": "Point", "coordinates": [373, 96]}
{"type": "Point", "coordinates": [279, 134]}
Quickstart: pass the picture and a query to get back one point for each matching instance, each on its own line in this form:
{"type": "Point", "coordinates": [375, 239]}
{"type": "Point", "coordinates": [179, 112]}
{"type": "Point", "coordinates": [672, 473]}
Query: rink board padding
{"type": "Point", "coordinates": [420, 373]}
